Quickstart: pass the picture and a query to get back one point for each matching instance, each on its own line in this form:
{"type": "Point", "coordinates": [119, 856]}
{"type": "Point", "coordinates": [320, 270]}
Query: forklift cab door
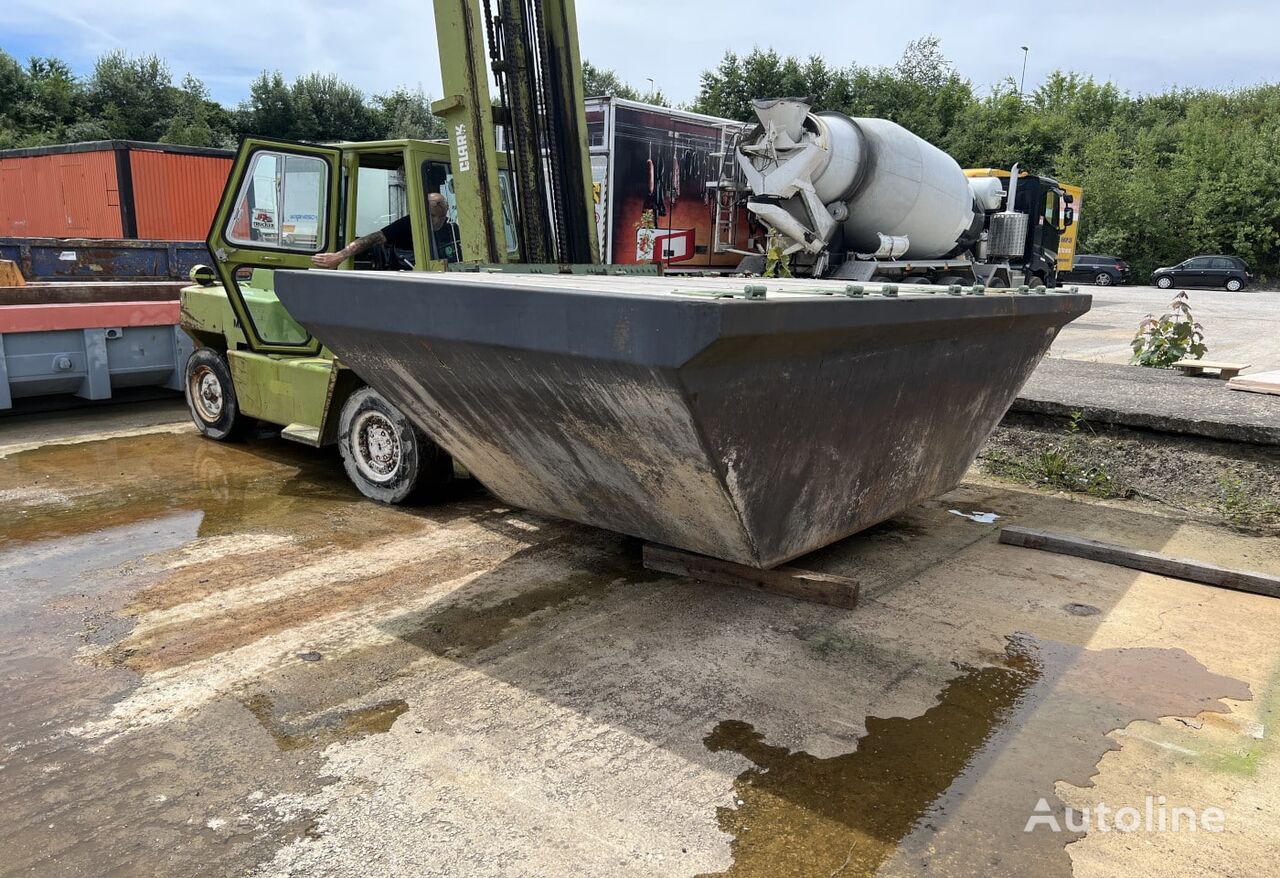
{"type": "Point", "coordinates": [281, 206]}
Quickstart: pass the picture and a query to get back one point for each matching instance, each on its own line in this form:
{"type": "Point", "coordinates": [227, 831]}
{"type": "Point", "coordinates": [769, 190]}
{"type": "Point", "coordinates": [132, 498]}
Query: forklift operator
{"type": "Point", "coordinates": [445, 240]}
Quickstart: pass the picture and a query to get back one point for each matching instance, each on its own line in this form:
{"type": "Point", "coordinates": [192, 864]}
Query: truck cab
{"type": "Point", "coordinates": [1052, 209]}
{"type": "Point", "coordinates": [254, 364]}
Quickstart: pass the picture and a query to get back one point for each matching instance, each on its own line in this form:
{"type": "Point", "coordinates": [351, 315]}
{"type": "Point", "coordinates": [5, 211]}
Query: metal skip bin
{"type": "Point", "coordinates": [749, 426]}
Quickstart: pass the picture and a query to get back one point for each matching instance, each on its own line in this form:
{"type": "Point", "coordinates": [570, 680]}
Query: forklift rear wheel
{"type": "Point", "coordinates": [211, 396]}
{"type": "Point", "coordinates": [384, 454]}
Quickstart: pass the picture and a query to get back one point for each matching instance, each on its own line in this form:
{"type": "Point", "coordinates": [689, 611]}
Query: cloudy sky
{"type": "Point", "coordinates": [1143, 46]}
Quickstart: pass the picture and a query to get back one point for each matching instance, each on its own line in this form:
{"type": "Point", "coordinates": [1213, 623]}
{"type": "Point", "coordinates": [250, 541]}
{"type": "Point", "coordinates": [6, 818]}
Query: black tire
{"type": "Point", "coordinates": [1234, 284]}
{"type": "Point", "coordinates": [947, 280]}
{"type": "Point", "coordinates": [1102, 279]}
{"type": "Point", "coordinates": [386, 457]}
{"type": "Point", "coordinates": [1164, 283]}
{"type": "Point", "coordinates": [211, 396]}
{"type": "Point", "coordinates": [997, 282]}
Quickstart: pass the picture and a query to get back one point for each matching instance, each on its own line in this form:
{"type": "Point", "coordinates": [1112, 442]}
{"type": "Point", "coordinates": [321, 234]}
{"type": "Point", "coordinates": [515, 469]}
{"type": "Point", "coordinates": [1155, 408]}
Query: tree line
{"type": "Point", "coordinates": [1165, 175]}
{"type": "Point", "coordinates": [136, 98]}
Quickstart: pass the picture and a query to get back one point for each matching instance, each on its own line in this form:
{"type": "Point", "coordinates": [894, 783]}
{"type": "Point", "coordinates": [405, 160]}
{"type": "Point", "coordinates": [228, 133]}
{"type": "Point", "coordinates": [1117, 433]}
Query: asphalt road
{"type": "Point", "coordinates": [1239, 327]}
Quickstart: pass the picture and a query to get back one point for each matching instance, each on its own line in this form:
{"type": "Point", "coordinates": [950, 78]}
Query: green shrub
{"type": "Point", "coordinates": [1161, 342]}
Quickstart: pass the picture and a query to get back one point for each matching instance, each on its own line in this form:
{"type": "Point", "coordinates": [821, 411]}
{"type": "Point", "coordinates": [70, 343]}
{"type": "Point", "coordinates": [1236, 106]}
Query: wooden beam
{"type": "Point", "coordinates": [1142, 559]}
{"type": "Point", "coordinates": [805, 585]}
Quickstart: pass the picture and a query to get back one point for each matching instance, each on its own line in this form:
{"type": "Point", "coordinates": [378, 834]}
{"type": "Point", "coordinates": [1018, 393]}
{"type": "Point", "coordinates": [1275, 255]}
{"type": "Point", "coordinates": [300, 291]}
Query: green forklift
{"type": "Point", "coordinates": [527, 208]}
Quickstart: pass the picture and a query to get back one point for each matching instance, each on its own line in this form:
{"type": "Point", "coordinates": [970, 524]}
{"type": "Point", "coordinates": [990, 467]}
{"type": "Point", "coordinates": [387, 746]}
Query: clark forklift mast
{"type": "Point", "coordinates": [533, 52]}
{"type": "Point", "coordinates": [528, 208]}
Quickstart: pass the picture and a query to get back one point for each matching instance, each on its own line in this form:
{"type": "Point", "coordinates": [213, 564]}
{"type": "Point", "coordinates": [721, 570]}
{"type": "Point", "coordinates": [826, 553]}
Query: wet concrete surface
{"type": "Point", "coordinates": [218, 659]}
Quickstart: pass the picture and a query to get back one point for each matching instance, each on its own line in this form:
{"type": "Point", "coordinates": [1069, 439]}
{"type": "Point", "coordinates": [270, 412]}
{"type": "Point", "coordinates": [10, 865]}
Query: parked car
{"type": "Point", "coordinates": [1101, 271]}
{"type": "Point", "coordinates": [1227, 272]}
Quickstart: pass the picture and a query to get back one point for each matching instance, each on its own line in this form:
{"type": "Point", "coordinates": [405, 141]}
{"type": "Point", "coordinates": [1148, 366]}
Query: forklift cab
{"type": "Point", "coordinates": [286, 202]}
{"type": "Point", "coordinates": [283, 204]}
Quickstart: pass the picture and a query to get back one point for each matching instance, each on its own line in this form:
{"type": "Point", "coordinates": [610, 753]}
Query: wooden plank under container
{"type": "Point", "coordinates": [1144, 560]}
{"type": "Point", "coordinates": [805, 585]}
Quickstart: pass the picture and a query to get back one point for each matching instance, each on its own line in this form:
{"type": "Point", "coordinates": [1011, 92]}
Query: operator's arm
{"type": "Point", "coordinates": [355, 248]}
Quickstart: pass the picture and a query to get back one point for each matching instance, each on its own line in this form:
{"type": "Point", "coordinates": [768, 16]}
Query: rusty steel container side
{"type": "Point", "coordinates": [176, 194]}
{"type": "Point", "coordinates": [111, 189]}
{"type": "Point", "coordinates": [60, 195]}
{"type": "Point", "coordinates": [750, 430]}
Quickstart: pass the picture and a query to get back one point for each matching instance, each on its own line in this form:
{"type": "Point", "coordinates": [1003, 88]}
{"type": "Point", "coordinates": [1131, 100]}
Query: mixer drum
{"type": "Point", "coordinates": [905, 187]}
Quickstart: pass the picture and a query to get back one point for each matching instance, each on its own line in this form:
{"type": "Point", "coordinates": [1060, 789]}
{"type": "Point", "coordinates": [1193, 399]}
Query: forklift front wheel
{"type": "Point", "coordinates": [385, 456]}
{"type": "Point", "coordinates": [211, 396]}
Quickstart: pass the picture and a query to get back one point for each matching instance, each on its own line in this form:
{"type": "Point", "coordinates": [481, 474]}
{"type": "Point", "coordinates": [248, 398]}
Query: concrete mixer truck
{"type": "Point", "coordinates": [865, 199]}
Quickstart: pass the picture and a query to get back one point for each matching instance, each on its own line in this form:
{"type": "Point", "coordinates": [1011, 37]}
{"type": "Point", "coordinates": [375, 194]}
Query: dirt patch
{"type": "Point", "coordinates": [1221, 482]}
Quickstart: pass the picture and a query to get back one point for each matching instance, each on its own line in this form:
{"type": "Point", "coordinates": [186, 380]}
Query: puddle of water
{"type": "Point", "coordinates": [71, 490]}
{"type": "Point", "coordinates": [950, 791]}
{"type": "Point", "coordinates": [327, 728]}
{"type": "Point", "coordinates": [462, 629]}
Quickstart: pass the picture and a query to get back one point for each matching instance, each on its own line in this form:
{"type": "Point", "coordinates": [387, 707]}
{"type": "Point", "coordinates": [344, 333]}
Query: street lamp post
{"type": "Point", "coordinates": [1023, 81]}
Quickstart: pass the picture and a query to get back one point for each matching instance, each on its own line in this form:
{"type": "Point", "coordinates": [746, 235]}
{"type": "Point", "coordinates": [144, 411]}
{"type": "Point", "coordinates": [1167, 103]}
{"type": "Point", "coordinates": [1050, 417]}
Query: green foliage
{"type": "Point", "coordinates": [1239, 504]}
{"type": "Point", "coordinates": [135, 98]}
{"type": "Point", "coordinates": [597, 82]}
{"type": "Point", "coordinates": [776, 263]}
{"type": "Point", "coordinates": [407, 114]}
{"type": "Point", "coordinates": [315, 107]}
{"type": "Point", "coordinates": [1063, 465]}
{"type": "Point", "coordinates": [1173, 336]}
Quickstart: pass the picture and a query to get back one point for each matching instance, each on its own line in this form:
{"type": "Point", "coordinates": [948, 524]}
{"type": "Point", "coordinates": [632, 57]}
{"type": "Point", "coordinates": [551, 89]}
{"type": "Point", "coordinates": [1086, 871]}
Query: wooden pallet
{"type": "Point", "coordinates": [1225, 371]}
{"type": "Point", "coordinates": [805, 585]}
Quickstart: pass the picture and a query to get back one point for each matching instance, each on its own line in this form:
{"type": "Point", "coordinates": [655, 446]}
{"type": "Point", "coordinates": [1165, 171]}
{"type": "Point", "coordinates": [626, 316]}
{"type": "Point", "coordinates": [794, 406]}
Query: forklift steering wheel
{"type": "Point", "coordinates": [401, 260]}
{"type": "Point", "coordinates": [386, 257]}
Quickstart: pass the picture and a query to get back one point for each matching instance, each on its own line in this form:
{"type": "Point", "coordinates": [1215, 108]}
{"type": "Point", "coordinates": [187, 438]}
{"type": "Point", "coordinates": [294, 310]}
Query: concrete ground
{"type": "Point", "coordinates": [218, 659]}
{"type": "Point", "coordinates": [1239, 327]}
{"type": "Point", "coordinates": [1163, 400]}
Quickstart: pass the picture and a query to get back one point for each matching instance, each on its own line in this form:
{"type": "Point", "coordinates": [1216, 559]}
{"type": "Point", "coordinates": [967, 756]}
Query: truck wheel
{"type": "Point", "coordinates": [1164, 282]}
{"type": "Point", "coordinates": [211, 396]}
{"type": "Point", "coordinates": [997, 282]}
{"type": "Point", "coordinates": [386, 456]}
